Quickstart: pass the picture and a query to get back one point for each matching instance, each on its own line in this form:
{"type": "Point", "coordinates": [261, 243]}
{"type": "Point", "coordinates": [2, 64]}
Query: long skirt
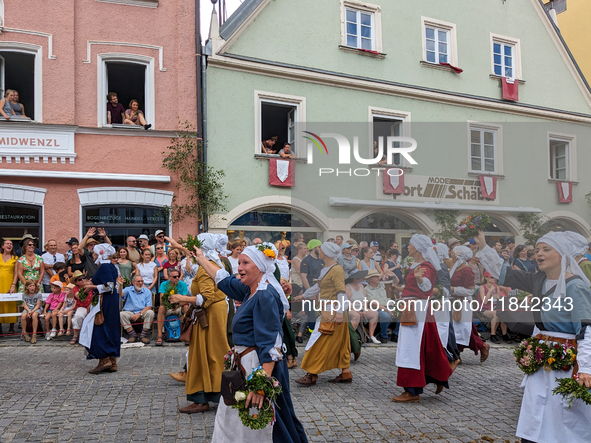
{"type": "Point", "coordinates": [434, 364]}
{"type": "Point", "coordinates": [287, 428]}
{"type": "Point", "coordinates": [207, 349]}
{"type": "Point", "coordinates": [106, 338]}
{"type": "Point", "coordinates": [329, 351]}
{"type": "Point", "coordinates": [476, 342]}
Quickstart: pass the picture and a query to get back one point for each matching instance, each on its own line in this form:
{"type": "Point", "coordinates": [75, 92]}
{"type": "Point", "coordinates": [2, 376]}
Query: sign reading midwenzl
{"type": "Point", "coordinates": [443, 189]}
{"type": "Point", "coordinates": [36, 142]}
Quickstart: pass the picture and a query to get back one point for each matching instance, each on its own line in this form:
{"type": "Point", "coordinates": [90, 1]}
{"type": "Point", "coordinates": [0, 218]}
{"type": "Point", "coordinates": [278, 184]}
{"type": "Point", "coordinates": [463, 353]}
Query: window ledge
{"type": "Point", "coordinates": [436, 66]}
{"type": "Point", "coordinates": [277, 156]}
{"type": "Point", "coordinates": [374, 54]}
{"type": "Point", "coordinates": [553, 180]}
{"type": "Point", "coordinates": [15, 119]}
{"type": "Point", "coordinates": [478, 174]}
{"type": "Point", "coordinates": [129, 130]}
{"type": "Point", "coordinates": [145, 3]}
{"type": "Point", "coordinates": [498, 77]}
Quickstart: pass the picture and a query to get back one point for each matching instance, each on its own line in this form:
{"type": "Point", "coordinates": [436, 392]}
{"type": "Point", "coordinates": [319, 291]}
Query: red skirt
{"type": "Point", "coordinates": [476, 342]}
{"type": "Point", "coordinates": [434, 364]}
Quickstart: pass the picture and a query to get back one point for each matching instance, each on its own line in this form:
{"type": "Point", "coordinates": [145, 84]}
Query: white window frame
{"type": "Point", "coordinates": [404, 116]}
{"type": "Point", "coordinates": [452, 44]}
{"type": "Point", "coordinates": [369, 8]}
{"type": "Point", "coordinates": [498, 137]}
{"type": "Point", "coordinates": [36, 51]}
{"type": "Point", "coordinates": [102, 85]}
{"type": "Point", "coordinates": [510, 41]}
{"type": "Point", "coordinates": [298, 102]}
{"type": "Point", "coordinates": [571, 155]}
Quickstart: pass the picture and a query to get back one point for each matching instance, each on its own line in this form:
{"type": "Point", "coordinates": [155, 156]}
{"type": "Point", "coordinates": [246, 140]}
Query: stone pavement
{"type": "Point", "coordinates": [46, 395]}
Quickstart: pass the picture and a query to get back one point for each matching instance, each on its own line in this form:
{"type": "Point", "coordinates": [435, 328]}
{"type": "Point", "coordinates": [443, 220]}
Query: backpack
{"type": "Point", "coordinates": [172, 329]}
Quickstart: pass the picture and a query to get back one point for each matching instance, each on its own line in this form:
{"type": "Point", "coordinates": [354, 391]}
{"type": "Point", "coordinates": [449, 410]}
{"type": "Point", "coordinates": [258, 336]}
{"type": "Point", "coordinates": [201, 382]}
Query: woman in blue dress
{"type": "Point", "coordinates": [564, 315]}
{"type": "Point", "coordinates": [257, 323]}
{"type": "Point", "coordinates": [103, 342]}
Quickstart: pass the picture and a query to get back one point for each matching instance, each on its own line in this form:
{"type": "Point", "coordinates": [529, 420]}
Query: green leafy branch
{"type": "Point", "coordinates": [201, 183]}
{"type": "Point", "coordinates": [447, 221]}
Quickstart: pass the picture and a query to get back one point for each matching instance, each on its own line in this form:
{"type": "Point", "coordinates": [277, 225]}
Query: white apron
{"type": "Point", "coordinates": [228, 427]}
{"type": "Point", "coordinates": [463, 329]}
{"type": "Point", "coordinates": [544, 417]}
{"type": "Point", "coordinates": [442, 318]}
{"type": "Point", "coordinates": [408, 351]}
{"type": "Point", "coordinates": [88, 325]}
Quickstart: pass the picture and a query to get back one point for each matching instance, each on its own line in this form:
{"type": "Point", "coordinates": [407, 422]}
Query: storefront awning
{"type": "Point", "coordinates": [344, 201]}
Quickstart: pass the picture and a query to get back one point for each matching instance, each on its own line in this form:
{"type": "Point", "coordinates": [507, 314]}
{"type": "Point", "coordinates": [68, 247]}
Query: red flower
{"type": "Point", "coordinates": [471, 226]}
{"type": "Point", "coordinates": [565, 368]}
{"type": "Point", "coordinates": [469, 217]}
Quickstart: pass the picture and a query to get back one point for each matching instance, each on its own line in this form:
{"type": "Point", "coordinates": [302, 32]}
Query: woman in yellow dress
{"type": "Point", "coordinates": [208, 345]}
{"type": "Point", "coordinates": [329, 346]}
{"type": "Point", "coordinates": [8, 278]}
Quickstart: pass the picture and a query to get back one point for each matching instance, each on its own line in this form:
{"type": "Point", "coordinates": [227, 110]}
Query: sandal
{"type": "Point", "coordinates": [34, 339]}
{"type": "Point", "coordinates": [27, 337]}
{"type": "Point", "coordinates": [74, 341]}
{"type": "Point", "coordinates": [158, 341]}
{"type": "Point", "coordinates": [60, 333]}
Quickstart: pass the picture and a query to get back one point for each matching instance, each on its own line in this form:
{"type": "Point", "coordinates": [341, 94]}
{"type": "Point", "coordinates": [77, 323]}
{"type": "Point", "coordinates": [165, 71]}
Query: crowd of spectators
{"type": "Point", "coordinates": [149, 268]}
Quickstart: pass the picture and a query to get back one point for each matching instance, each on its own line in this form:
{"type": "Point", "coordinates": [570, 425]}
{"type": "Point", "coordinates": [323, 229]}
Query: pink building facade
{"type": "Point", "coordinates": [67, 169]}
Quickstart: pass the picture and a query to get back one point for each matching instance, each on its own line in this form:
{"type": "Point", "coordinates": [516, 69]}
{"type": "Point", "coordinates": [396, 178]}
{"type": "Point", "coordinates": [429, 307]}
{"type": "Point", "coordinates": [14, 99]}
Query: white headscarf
{"type": "Point", "coordinates": [267, 266]}
{"type": "Point", "coordinates": [561, 243]}
{"type": "Point", "coordinates": [463, 254]}
{"type": "Point", "coordinates": [332, 250]}
{"type": "Point", "coordinates": [579, 242]}
{"type": "Point", "coordinates": [424, 245]}
{"type": "Point", "coordinates": [221, 243]}
{"type": "Point", "coordinates": [104, 251]}
{"type": "Point", "coordinates": [208, 246]}
{"type": "Point", "coordinates": [442, 251]}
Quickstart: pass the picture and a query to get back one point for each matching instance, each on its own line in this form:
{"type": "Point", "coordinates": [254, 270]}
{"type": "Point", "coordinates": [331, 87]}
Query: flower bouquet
{"type": "Point", "coordinates": [95, 300]}
{"type": "Point", "coordinates": [530, 355]}
{"type": "Point", "coordinates": [570, 389]}
{"type": "Point", "coordinates": [228, 359]}
{"type": "Point", "coordinates": [469, 227]}
{"type": "Point", "coordinates": [164, 300]}
{"type": "Point", "coordinates": [260, 383]}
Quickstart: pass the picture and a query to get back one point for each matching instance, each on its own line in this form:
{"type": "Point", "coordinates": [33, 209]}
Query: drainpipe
{"type": "Point", "coordinates": [204, 117]}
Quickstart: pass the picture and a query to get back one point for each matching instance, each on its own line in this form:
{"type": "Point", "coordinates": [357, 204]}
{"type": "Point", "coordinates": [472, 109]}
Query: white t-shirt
{"type": "Point", "coordinates": [234, 262]}
{"type": "Point", "coordinates": [49, 259]}
{"type": "Point", "coordinates": [147, 272]}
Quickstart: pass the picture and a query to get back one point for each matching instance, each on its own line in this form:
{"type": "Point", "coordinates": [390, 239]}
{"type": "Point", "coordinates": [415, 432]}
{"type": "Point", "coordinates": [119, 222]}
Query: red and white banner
{"type": "Point", "coordinates": [488, 186]}
{"type": "Point", "coordinates": [281, 172]}
{"type": "Point", "coordinates": [510, 89]}
{"type": "Point", "coordinates": [394, 184]}
{"type": "Point", "coordinates": [565, 192]}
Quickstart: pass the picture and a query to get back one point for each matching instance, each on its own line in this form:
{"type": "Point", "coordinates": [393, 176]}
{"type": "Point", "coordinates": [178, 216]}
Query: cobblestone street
{"type": "Point", "coordinates": [48, 396]}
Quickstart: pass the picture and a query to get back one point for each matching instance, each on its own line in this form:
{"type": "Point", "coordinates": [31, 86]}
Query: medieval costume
{"type": "Point", "coordinates": [545, 417]}
{"type": "Point", "coordinates": [420, 356]}
{"type": "Point", "coordinates": [102, 338]}
{"type": "Point", "coordinates": [208, 344]}
{"type": "Point", "coordinates": [258, 323]}
{"type": "Point", "coordinates": [329, 346]}
{"type": "Point", "coordinates": [462, 282]}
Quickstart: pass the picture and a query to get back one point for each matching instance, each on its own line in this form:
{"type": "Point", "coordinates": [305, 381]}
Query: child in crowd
{"type": "Point", "coordinates": [68, 308]}
{"type": "Point", "coordinates": [32, 300]}
{"type": "Point", "coordinates": [61, 273]}
{"type": "Point", "coordinates": [52, 306]}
